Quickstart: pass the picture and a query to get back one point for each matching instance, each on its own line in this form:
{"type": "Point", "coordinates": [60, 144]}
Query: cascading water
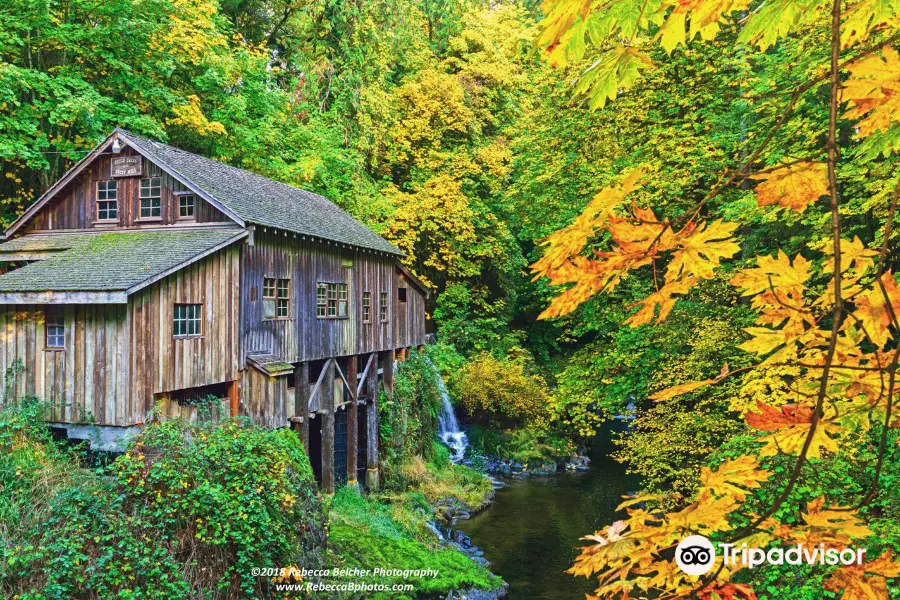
{"type": "Point", "coordinates": [448, 426]}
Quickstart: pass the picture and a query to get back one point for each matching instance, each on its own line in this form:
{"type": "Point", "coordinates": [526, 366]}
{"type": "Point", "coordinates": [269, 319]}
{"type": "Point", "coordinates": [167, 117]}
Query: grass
{"type": "Point", "coordinates": [368, 534]}
{"type": "Point", "coordinates": [439, 479]}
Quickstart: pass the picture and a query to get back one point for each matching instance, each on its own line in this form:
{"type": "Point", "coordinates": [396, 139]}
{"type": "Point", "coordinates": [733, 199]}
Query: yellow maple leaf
{"type": "Point", "coordinates": [678, 390]}
{"type": "Point", "coordinates": [874, 312]}
{"type": "Point", "coordinates": [838, 520]}
{"type": "Point", "coordinates": [793, 186]}
{"type": "Point", "coordinates": [867, 581]}
{"type": "Point", "coordinates": [778, 273]}
{"type": "Point", "coordinates": [791, 425]}
{"type": "Point", "coordinates": [701, 249]}
{"type": "Point", "coordinates": [873, 89]}
{"type": "Point", "coordinates": [735, 477]}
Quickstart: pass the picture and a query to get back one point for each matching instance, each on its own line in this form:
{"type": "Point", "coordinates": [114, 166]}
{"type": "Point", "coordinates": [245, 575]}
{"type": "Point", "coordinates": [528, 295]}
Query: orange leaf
{"type": "Point", "coordinates": [795, 186]}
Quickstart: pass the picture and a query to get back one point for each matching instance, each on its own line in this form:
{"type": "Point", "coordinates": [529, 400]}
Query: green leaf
{"type": "Point", "coordinates": [778, 18]}
{"type": "Point", "coordinates": [616, 69]}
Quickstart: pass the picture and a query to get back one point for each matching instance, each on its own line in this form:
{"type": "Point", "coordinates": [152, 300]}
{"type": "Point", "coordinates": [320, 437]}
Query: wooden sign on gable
{"type": "Point", "coordinates": [126, 166]}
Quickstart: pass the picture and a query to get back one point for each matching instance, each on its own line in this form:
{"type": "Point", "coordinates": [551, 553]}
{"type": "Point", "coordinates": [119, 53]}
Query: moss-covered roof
{"type": "Point", "coordinates": [107, 261]}
{"type": "Point", "coordinates": [260, 200]}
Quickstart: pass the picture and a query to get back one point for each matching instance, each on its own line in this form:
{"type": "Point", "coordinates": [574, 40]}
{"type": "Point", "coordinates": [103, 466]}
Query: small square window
{"type": "Point", "coordinates": [54, 327]}
{"type": "Point", "coordinates": [186, 321]}
{"type": "Point", "coordinates": [401, 294]}
{"type": "Point", "coordinates": [108, 200]}
{"type": "Point", "coordinates": [186, 206]}
{"type": "Point", "coordinates": [276, 298]}
{"type": "Point", "coordinates": [150, 196]}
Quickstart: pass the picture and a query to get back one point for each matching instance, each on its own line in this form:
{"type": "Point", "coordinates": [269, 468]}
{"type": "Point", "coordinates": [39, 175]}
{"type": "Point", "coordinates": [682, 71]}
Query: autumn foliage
{"type": "Point", "coordinates": [830, 316]}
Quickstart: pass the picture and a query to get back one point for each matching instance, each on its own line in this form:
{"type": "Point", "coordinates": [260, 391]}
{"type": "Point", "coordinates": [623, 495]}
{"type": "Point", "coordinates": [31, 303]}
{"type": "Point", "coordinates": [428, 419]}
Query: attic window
{"type": "Point", "coordinates": [108, 200]}
{"type": "Point", "coordinates": [151, 204]}
{"type": "Point", "coordinates": [186, 206]}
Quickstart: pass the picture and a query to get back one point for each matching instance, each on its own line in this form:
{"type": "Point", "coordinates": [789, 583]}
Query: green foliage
{"type": "Point", "coordinates": [501, 392]}
{"type": "Point", "coordinates": [837, 477]}
{"type": "Point", "coordinates": [188, 511]}
{"type": "Point", "coordinates": [530, 447]}
{"type": "Point", "coordinates": [366, 534]}
{"type": "Point", "coordinates": [409, 416]}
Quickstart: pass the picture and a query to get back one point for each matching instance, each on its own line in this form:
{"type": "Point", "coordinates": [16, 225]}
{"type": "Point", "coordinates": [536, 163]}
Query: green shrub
{"type": "Point", "coordinates": [187, 512]}
{"type": "Point", "coordinates": [408, 418]}
{"type": "Point", "coordinates": [502, 392]}
{"type": "Point", "coordinates": [527, 446]}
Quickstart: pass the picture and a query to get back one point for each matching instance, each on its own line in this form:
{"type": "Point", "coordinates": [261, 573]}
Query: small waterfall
{"type": "Point", "coordinates": [448, 426]}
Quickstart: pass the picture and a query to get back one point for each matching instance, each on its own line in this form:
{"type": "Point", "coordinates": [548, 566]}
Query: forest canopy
{"type": "Point", "coordinates": [687, 206]}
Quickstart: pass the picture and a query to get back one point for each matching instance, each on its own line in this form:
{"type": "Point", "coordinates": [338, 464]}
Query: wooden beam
{"type": "Point", "coordinates": [352, 424]}
{"type": "Point", "coordinates": [387, 371]}
{"type": "Point", "coordinates": [301, 401]}
{"type": "Point", "coordinates": [233, 394]}
{"type": "Point", "coordinates": [328, 430]}
{"type": "Point", "coordinates": [315, 391]}
{"type": "Point", "coordinates": [346, 380]}
{"type": "Point", "coordinates": [362, 380]}
{"type": "Point", "coordinates": [64, 298]}
{"type": "Point", "coordinates": [372, 426]}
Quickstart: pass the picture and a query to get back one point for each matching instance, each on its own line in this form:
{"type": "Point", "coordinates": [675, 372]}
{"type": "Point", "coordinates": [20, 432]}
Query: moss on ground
{"type": "Point", "coordinates": [391, 532]}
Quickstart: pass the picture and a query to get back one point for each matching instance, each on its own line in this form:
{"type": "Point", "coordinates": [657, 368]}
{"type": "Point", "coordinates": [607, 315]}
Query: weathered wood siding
{"type": "Point", "coordinates": [75, 207]}
{"type": "Point", "coordinates": [87, 381]}
{"type": "Point", "coordinates": [409, 324]}
{"type": "Point", "coordinates": [304, 336]}
{"type": "Point", "coordinates": [267, 400]}
{"type": "Point", "coordinates": [160, 362]}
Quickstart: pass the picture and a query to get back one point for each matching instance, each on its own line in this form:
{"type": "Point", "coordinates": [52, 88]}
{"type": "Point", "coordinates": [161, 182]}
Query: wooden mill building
{"type": "Point", "coordinates": [149, 279]}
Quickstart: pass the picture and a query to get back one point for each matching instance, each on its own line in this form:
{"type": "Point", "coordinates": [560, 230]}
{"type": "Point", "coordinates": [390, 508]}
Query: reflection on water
{"type": "Point", "coordinates": [531, 531]}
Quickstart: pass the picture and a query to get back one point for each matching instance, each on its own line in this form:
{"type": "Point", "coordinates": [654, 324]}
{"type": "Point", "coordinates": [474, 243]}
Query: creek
{"type": "Point", "coordinates": [530, 533]}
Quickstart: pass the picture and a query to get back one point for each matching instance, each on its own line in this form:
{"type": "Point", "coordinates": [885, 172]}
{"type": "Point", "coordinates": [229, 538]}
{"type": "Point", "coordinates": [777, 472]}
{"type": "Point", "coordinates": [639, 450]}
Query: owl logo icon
{"type": "Point", "coordinates": [695, 555]}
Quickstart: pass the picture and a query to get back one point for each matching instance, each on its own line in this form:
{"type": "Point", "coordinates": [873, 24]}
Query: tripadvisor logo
{"type": "Point", "coordinates": [695, 555]}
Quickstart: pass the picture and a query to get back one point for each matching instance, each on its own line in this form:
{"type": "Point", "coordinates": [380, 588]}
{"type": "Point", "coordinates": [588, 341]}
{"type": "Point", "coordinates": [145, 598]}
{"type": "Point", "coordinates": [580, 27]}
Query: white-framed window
{"type": "Point", "coordinates": [383, 308]}
{"type": "Point", "coordinates": [108, 200]}
{"type": "Point", "coordinates": [276, 298]}
{"type": "Point", "coordinates": [151, 198]}
{"type": "Point", "coordinates": [54, 328]}
{"type": "Point", "coordinates": [186, 322]}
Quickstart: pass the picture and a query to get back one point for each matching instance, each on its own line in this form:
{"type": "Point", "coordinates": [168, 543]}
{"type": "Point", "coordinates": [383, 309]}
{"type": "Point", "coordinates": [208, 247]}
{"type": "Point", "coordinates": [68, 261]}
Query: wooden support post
{"type": "Point", "coordinates": [327, 405]}
{"type": "Point", "coordinates": [352, 422]}
{"type": "Point", "coordinates": [372, 427]}
{"type": "Point", "coordinates": [387, 373]}
{"type": "Point", "coordinates": [301, 401]}
{"type": "Point", "coordinates": [233, 401]}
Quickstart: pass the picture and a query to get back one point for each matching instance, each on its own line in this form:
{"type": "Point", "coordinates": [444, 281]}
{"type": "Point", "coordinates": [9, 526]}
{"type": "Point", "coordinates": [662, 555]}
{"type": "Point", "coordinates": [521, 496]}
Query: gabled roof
{"type": "Point", "coordinates": [260, 200]}
{"type": "Point", "coordinates": [119, 261]}
{"type": "Point", "coordinates": [244, 196]}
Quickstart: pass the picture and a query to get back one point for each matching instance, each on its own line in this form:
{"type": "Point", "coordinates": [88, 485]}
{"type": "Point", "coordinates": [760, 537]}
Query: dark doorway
{"type": "Point", "coordinates": [340, 447]}
{"type": "Point", "coordinates": [362, 459]}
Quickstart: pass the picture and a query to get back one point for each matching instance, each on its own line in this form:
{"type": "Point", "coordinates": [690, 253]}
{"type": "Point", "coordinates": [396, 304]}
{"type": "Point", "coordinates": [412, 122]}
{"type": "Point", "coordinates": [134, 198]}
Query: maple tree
{"type": "Point", "coordinates": [827, 326]}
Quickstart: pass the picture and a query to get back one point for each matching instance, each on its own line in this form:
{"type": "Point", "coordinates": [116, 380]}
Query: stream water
{"type": "Point", "coordinates": [531, 531]}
